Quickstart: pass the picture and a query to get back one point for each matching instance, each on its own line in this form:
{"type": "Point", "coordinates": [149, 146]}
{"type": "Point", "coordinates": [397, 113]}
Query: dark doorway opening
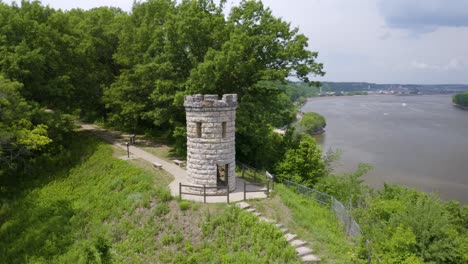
{"type": "Point", "coordinates": [222, 175]}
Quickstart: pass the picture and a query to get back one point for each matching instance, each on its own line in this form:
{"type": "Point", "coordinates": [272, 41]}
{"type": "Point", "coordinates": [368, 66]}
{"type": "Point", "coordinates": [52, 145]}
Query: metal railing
{"type": "Point", "coordinates": [204, 188]}
{"type": "Point", "coordinates": [250, 173]}
{"type": "Point", "coordinates": [267, 191]}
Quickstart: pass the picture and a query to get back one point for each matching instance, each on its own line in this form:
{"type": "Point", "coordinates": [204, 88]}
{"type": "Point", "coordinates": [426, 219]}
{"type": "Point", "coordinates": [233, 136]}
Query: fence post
{"type": "Point", "coordinates": [244, 189]}
{"type": "Point", "coordinates": [227, 192]}
{"type": "Point", "coordinates": [268, 188]}
{"type": "Point", "coordinates": [273, 182]}
{"type": "Point", "coordinates": [180, 191]}
{"type": "Point", "coordinates": [243, 170]}
{"type": "Point", "coordinates": [204, 193]}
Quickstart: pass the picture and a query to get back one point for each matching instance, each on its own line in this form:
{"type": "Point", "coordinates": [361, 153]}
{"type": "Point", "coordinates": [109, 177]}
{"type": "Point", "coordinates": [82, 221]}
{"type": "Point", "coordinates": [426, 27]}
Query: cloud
{"type": "Point", "coordinates": [451, 65]}
{"type": "Point", "coordinates": [424, 16]}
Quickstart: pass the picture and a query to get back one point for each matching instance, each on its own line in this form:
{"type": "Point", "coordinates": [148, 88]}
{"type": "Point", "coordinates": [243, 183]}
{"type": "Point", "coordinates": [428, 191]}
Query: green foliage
{"type": "Point", "coordinates": [303, 164]}
{"type": "Point", "coordinates": [184, 205]}
{"type": "Point", "coordinates": [256, 143]}
{"type": "Point", "coordinates": [346, 188]}
{"type": "Point", "coordinates": [407, 226]}
{"type": "Point", "coordinates": [193, 48]}
{"type": "Point", "coordinates": [461, 99]}
{"type": "Point", "coordinates": [26, 131]}
{"type": "Point", "coordinates": [299, 92]}
{"type": "Point", "coordinates": [133, 70]}
{"type": "Point", "coordinates": [312, 123]}
{"type": "Point", "coordinates": [63, 59]}
{"type": "Point", "coordinates": [46, 222]}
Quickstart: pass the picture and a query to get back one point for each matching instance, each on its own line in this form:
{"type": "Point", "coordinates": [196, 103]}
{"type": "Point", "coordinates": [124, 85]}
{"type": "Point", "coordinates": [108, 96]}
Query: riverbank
{"type": "Point", "coordinates": [460, 106]}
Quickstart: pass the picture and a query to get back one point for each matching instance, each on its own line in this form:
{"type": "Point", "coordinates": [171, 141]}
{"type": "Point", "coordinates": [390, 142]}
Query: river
{"type": "Point", "coordinates": [417, 141]}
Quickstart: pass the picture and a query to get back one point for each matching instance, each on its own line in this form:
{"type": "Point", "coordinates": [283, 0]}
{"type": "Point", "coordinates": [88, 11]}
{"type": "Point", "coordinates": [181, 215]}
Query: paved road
{"type": "Point", "coordinates": [179, 173]}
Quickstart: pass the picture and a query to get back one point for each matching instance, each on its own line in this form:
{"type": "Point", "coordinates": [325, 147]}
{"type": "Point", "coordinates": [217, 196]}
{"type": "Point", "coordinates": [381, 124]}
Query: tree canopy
{"type": "Point", "coordinates": [132, 70]}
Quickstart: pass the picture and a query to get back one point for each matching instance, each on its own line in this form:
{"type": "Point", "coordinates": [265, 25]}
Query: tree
{"type": "Point", "coordinates": [19, 136]}
{"type": "Point", "coordinates": [303, 164]}
{"type": "Point", "coordinates": [312, 123]}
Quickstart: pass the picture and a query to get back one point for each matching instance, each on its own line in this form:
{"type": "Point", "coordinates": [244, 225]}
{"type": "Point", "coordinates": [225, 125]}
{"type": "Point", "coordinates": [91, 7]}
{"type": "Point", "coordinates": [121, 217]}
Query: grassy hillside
{"type": "Point", "coordinates": [88, 206]}
{"type": "Point", "coordinates": [312, 222]}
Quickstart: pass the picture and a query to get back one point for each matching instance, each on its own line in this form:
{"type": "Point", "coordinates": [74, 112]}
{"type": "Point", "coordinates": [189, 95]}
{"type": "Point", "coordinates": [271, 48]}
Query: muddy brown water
{"type": "Point", "coordinates": [417, 141]}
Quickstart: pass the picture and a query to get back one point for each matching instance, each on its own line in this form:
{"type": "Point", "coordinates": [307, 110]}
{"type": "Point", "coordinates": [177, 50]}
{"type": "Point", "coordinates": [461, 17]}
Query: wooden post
{"type": "Point", "coordinates": [255, 174]}
{"type": "Point", "coordinates": [227, 192]}
{"type": "Point", "coordinates": [244, 190]}
{"type": "Point", "coordinates": [243, 170]}
{"type": "Point", "coordinates": [204, 193]}
{"type": "Point", "coordinates": [180, 191]}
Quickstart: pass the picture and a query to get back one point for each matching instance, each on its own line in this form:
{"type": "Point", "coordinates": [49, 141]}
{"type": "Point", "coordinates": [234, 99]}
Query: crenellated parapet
{"type": "Point", "coordinates": [210, 101]}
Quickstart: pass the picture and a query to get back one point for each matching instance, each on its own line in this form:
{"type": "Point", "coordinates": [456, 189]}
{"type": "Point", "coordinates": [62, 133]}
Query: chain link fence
{"type": "Point", "coordinates": [352, 228]}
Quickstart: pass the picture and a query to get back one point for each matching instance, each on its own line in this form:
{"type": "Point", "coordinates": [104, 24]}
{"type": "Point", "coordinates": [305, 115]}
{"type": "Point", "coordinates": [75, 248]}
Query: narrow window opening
{"type": "Point", "coordinates": [198, 129]}
{"type": "Point", "coordinates": [224, 130]}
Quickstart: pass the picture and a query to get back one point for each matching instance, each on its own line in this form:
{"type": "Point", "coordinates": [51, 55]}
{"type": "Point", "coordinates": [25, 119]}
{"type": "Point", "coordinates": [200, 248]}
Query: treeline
{"type": "Point", "coordinates": [364, 86]}
{"type": "Point", "coordinates": [461, 99]}
{"type": "Point", "coordinates": [131, 71]}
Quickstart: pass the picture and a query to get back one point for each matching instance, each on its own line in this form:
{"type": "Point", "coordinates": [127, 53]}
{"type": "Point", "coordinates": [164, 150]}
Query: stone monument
{"type": "Point", "coordinates": [211, 151]}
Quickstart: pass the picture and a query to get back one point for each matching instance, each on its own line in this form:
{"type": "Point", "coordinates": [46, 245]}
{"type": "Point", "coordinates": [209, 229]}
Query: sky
{"type": "Point", "coordinates": [380, 41]}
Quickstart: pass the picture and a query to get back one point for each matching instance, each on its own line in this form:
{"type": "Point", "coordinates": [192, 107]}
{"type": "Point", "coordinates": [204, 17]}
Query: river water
{"type": "Point", "coordinates": [417, 141]}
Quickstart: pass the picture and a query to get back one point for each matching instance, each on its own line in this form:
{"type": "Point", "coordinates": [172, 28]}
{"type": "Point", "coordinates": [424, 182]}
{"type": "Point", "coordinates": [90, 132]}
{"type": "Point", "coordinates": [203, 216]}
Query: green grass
{"type": "Point", "coordinates": [312, 222]}
{"type": "Point", "coordinates": [90, 207]}
{"type": "Point", "coordinates": [164, 152]}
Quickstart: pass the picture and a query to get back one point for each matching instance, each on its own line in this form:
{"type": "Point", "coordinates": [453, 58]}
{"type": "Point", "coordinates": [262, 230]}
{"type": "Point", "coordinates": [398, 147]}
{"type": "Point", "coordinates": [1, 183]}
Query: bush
{"type": "Point", "coordinates": [184, 205]}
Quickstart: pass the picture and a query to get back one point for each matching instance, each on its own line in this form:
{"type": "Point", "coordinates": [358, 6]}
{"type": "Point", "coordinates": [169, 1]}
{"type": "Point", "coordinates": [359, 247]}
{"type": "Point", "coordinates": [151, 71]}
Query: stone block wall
{"type": "Point", "coordinates": [209, 142]}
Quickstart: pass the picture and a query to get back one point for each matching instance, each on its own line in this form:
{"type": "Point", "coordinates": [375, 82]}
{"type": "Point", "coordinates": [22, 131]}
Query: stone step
{"type": "Point", "coordinates": [298, 243]}
{"type": "Point", "coordinates": [284, 230]}
{"type": "Point", "coordinates": [264, 219]}
{"type": "Point", "coordinates": [257, 214]}
{"type": "Point", "coordinates": [302, 251]}
{"type": "Point", "coordinates": [310, 258]}
{"type": "Point", "coordinates": [250, 210]}
{"type": "Point", "coordinates": [289, 237]}
{"type": "Point", "coordinates": [243, 205]}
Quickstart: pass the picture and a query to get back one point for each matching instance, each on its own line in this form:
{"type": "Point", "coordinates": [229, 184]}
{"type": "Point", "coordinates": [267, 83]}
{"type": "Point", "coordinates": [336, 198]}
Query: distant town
{"type": "Point", "coordinates": [363, 88]}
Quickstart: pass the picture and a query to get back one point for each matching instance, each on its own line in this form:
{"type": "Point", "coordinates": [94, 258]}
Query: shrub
{"type": "Point", "coordinates": [184, 205]}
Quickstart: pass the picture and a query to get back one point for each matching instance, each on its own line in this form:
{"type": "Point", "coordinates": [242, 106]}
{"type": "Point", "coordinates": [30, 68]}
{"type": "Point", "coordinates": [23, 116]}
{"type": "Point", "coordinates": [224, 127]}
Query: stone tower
{"type": "Point", "coordinates": [211, 148]}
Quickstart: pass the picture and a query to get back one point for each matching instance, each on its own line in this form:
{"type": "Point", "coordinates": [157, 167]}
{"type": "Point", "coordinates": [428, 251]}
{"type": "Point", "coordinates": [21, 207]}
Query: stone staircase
{"type": "Point", "coordinates": [303, 252]}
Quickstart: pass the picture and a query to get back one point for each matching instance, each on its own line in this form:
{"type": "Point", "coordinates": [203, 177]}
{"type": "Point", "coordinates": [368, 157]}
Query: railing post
{"type": "Point", "coordinates": [180, 191]}
{"type": "Point", "coordinates": [227, 192]}
{"type": "Point", "coordinates": [268, 189]}
{"type": "Point", "coordinates": [243, 170]}
{"type": "Point", "coordinates": [273, 181]}
{"type": "Point", "coordinates": [244, 189]}
{"type": "Point", "coordinates": [204, 193]}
